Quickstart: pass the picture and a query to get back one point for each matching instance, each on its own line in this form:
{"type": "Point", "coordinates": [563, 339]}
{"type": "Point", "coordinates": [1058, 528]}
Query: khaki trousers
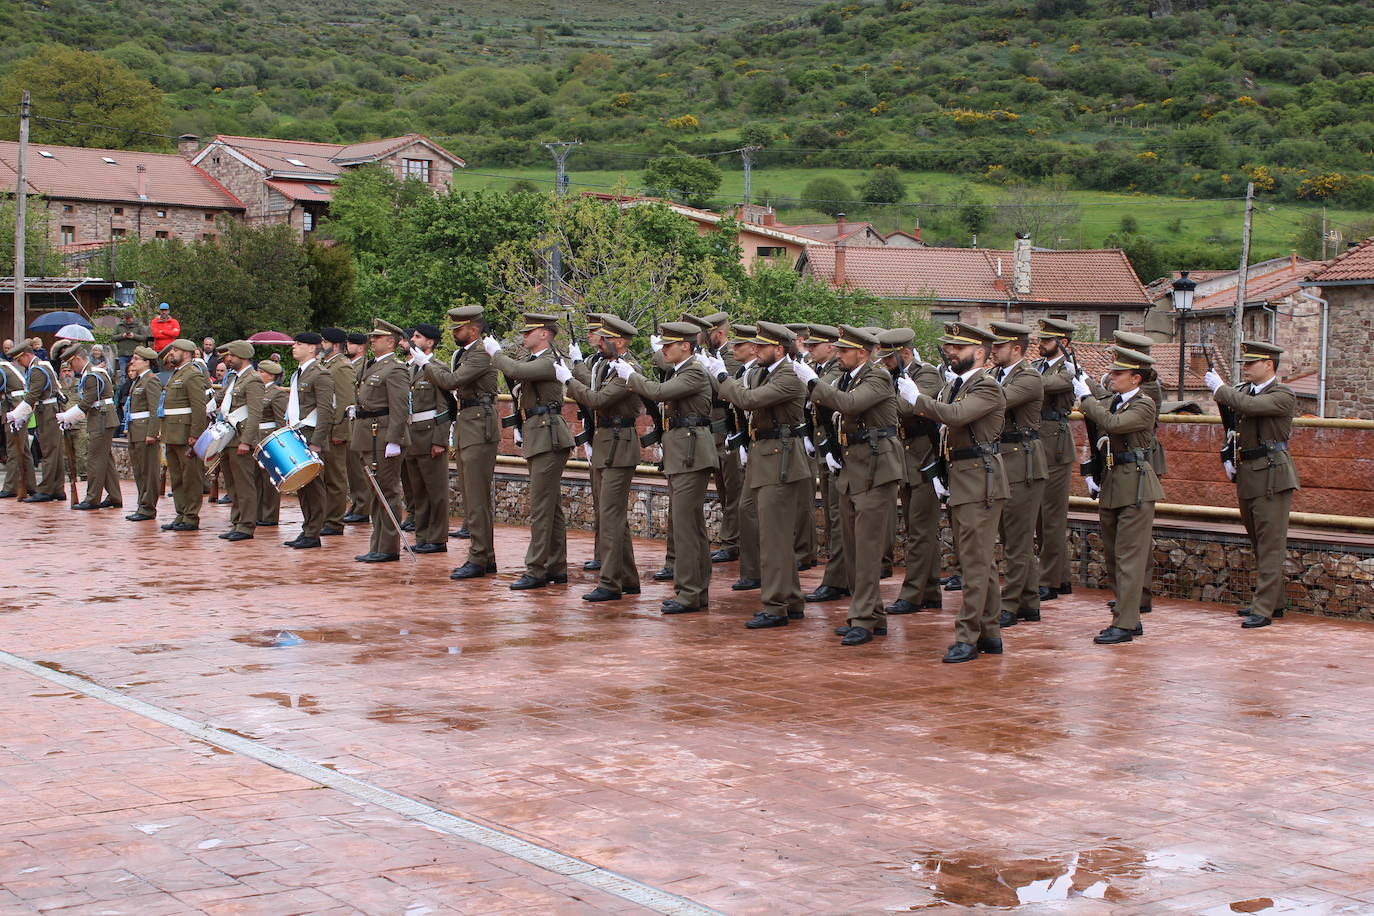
{"type": "Point", "coordinates": [241, 478]}
{"type": "Point", "coordinates": [311, 498]}
{"type": "Point", "coordinates": [804, 534]}
{"type": "Point", "coordinates": [146, 463]}
{"type": "Point", "coordinates": [429, 488]}
{"type": "Point", "coordinates": [1146, 580]}
{"type": "Point", "coordinates": [547, 555]}
{"type": "Point", "coordinates": [386, 538]}
{"type": "Point", "coordinates": [52, 466]}
{"type": "Point", "coordinates": [777, 505]}
{"type": "Point", "coordinates": [1021, 588]}
{"type": "Point", "coordinates": [729, 483]}
{"type": "Point", "coordinates": [102, 480]}
{"type": "Point", "coordinates": [864, 520]}
{"type": "Point", "coordinates": [839, 569]}
{"type": "Point", "coordinates": [749, 535]}
{"type": "Point", "coordinates": [269, 498]}
{"type": "Point", "coordinates": [1266, 521]}
{"type": "Point", "coordinates": [921, 579]}
{"type": "Point", "coordinates": [691, 548]}
{"type": "Point", "coordinates": [594, 480]}
{"type": "Point", "coordinates": [975, 537]}
{"type": "Point", "coordinates": [335, 473]}
{"type": "Point", "coordinates": [478, 467]}
{"type": "Point", "coordinates": [186, 477]}
{"type": "Point", "coordinates": [359, 490]}
{"type": "Point", "coordinates": [17, 448]}
{"type": "Point", "coordinates": [1054, 526]}
{"type": "Point", "coordinates": [617, 550]}
{"type": "Point", "coordinates": [1126, 540]}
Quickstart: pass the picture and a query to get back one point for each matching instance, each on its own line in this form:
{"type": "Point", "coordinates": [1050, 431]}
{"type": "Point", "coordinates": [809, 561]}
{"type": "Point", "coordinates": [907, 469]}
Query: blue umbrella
{"type": "Point", "coordinates": [52, 322]}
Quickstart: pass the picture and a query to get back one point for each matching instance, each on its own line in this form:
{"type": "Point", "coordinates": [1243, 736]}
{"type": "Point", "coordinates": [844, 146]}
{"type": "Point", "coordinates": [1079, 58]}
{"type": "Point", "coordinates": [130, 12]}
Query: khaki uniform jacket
{"type": "Point", "coordinates": [95, 394]}
{"type": "Point", "coordinates": [247, 393]}
{"type": "Point", "coordinates": [315, 393]}
{"type": "Point", "coordinates": [1131, 430]}
{"type": "Point", "coordinates": [381, 397]}
{"type": "Point", "coordinates": [1154, 390]}
{"type": "Point", "coordinates": [1024, 390]}
{"type": "Point", "coordinates": [685, 395]}
{"type": "Point", "coordinates": [868, 405]}
{"type": "Point", "coordinates": [431, 408]}
{"type": "Point", "coordinates": [616, 442]}
{"type": "Point", "coordinates": [473, 381]}
{"type": "Point", "coordinates": [144, 394]}
{"type": "Point", "coordinates": [776, 401]}
{"type": "Point", "coordinates": [12, 385]}
{"type": "Point", "coordinates": [1262, 419]}
{"type": "Point", "coordinates": [275, 397]}
{"type": "Point", "coordinates": [185, 389]}
{"type": "Point", "coordinates": [541, 401]}
{"type": "Point", "coordinates": [917, 447]}
{"type": "Point", "coordinates": [41, 381]}
{"type": "Point", "coordinates": [1056, 435]}
{"type": "Point", "coordinates": [345, 386]}
{"type": "Point", "coordinates": [973, 417]}
{"type": "Point", "coordinates": [721, 417]}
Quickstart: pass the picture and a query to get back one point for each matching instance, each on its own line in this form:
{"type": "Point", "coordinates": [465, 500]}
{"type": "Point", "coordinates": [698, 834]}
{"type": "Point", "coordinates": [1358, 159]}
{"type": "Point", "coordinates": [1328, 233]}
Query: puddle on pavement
{"type": "Point", "coordinates": [404, 715]}
{"type": "Point", "coordinates": [390, 641]}
{"type": "Point", "coordinates": [999, 738]}
{"type": "Point", "coordinates": [152, 649]}
{"type": "Point", "coordinates": [61, 669]}
{"type": "Point", "coordinates": [214, 747]}
{"type": "Point", "coordinates": [302, 701]}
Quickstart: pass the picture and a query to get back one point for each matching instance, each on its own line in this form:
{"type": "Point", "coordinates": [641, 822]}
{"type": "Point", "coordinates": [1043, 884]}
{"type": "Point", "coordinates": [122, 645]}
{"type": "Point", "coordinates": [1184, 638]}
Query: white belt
{"type": "Point", "coordinates": [423, 415]}
{"type": "Point", "coordinates": [176, 411]}
{"type": "Point", "coordinates": [108, 402]}
{"type": "Point", "coordinates": [267, 425]}
{"type": "Point", "coordinates": [238, 416]}
{"type": "Point", "coordinates": [48, 401]}
{"type": "Point", "coordinates": [140, 415]}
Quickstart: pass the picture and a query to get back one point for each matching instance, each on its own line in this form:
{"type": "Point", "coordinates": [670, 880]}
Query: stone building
{"type": "Point", "coordinates": [1345, 378]}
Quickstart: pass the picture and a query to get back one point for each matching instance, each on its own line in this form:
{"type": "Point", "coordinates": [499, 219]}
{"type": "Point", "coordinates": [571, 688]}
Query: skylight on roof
{"type": "Point", "coordinates": [296, 162]}
{"type": "Point", "coordinates": [316, 189]}
{"type": "Point", "coordinates": [45, 154]}
{"type": "Point", "coordinates": [107, 159]}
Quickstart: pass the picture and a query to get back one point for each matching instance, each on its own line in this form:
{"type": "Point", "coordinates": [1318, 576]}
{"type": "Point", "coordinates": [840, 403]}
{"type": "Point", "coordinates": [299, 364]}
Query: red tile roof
{"type": "Point", "coordinates": [302, 190]}
{"type": "Point", "coordinates": [326, 159]}
{"type": "Point", "coordinates": [1268, 287]}
{"type": "Point", "coordinates": [1355, 265]}
{"type": "Point", "coordinates": [1096, 357]}
{"type": "Point", "coordinates": [829, 232]}
{"type": "Point", "coordinates": [79, 173]}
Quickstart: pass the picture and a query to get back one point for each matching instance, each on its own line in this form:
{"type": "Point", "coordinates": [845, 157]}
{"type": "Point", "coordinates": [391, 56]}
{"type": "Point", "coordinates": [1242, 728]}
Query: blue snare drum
{"type": "Point", "coordinates": [288, 461]}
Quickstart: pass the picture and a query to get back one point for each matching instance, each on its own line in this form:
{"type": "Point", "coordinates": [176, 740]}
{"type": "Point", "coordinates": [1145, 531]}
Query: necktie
{"type": "Point", "coordinates": [1001, 374]}
{"type": "Point", "coordinates": [1116, 403]}
{"type": "Point", "coordinates": [1043, 366]}
{"type": "Point", "coordinates": [954, 389]}
{"type": "Point", "coordinates": [845, 381]}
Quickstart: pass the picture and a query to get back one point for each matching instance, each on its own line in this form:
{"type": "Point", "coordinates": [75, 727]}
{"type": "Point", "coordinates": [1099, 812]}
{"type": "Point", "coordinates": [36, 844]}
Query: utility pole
{"type": "Point", "coordinates": [1239, 330]}
{"type": "Point", "coordinates": [21, 206]}
{"type": "Point", "coordinates": [560, 150]}
{"type": "Point", "coordinates": [1323, 231]}
{"type": "Point", "coordinates": [747, 154]}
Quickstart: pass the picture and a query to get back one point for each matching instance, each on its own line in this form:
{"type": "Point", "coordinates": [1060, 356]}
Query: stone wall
{"type": "Point", "coordinates": [94, 221]}
{"type": "Point", "coordinates": [1350, 370]}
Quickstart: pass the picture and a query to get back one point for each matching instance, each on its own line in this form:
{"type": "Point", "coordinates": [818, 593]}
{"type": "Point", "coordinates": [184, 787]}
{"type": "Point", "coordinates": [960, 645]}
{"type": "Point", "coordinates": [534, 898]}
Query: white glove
{"type": "Point", "coordinates": [907, 390]}
{"type": "Point", "coordinates": [701, 357]}
{"type": "Point", "coordinates": [655, 342]}
{"type": "Point", "coordinates": [1213, 381]}
{"type": "Point", "coordinates": [20, 415]}
{"type": "Point", "coordinates": [587, 450]}
{"type": "Point", "coordinates": [950, 376]}
{"type": "Point", "coordinates": [656, 454]}
{"type": "Point", "coordinates": [622, 369]}
{"type": "Point", "coordinates": [419, 357]}
{"type": "Point", "coordinates": [491, 345]}
{"type": "Point", "coordinates": [804, 372]}
{"type": "Point", "coordinates": [1081, 389]}
{"type": "Point", "coordinates": [210, 407]}
{"type": "Point", "coordinates": [1071, 366]}
{"type": "Point", "coordinates": [1093, 488]}
{"type": "Point", "coordinates": [715, 365]}
{"type": "Point", "coordinates": [71, 415]}
{"type": "Point", "coordinates": [743, 456]}
{"type": "Point", "coordinates": [575, 352]}
{"type": "Point", "coordinates": [915, 355]}
{"type": "Point", "coordinates": [561, 372]}
{"type": "Point", "coordinates": [519, 439]}
{"type": "Point", "coordinates": [830, 462]}
{"type": "Point", "coordinates": [941, 490]}
{"type": "Point", "coordinates": [809, 446]}
{"type": "Point", "coordinates": [392, 450]}
{"type": "Point", "coordinates": [1230, 470]}
{"type": "Point", "coordinates": [351, 411]}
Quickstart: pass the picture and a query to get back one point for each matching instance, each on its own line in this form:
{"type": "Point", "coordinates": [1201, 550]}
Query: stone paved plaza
{"type": "Point", "coordinates": [1201, 769]}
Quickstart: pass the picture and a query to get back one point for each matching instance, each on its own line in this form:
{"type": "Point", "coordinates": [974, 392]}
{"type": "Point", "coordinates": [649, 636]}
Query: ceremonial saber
{"type": "Point", "coordinates": [377, 488]}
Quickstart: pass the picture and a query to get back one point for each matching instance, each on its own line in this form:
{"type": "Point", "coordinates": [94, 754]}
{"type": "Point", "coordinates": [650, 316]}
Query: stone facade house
{"type": "Point", "coordinates": [759, 242]}
{"type": "Point", "coordinates": [1345, 370]}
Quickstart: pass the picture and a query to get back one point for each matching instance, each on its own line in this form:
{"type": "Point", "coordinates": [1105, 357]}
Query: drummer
{"type": "Point", "coordinates": [310, 411]}
{"type": "Point", "coordinates": [240, 404]}
{"type": "Point", "coordinates": [274, 399]}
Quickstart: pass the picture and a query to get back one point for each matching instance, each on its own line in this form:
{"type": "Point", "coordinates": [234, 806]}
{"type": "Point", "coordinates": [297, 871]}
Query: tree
{"type": "Point", "coordinates": [828, 195]}
{"type": "Point", "coordinates": [682, 177]}
{"type": "Point", "coordinates": [776, 292]}
{"type": "Point", "coordinates": [1146, 259]}
{"type": "Point", "coordinates": [84, 91]}
{"type": "Point", "coordinates": [333, 284]}
{"type": "Point", "coordinates": [1041, 213]}
{"type": "Point", "coordinates": [884, 186]}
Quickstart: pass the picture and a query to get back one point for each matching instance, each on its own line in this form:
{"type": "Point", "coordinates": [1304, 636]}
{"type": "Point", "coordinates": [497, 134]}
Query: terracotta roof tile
{"type": "Point", "coordinates": [1085, 276]}
{"type": "Point", "coordinates": [829, 232]}
{"type": "Point", "coordinates": [1354, 264]}
{"type": "Point", "coordinates": [1268, 287]}
{"type": "Point", "coordinates": [1096, 357]}
{"type": "Point", "coordinates": [318, 158]}
{"type": "Point", "coordinates": [80, 173]}
{"type": "Point", "coordinates": [302, 190]}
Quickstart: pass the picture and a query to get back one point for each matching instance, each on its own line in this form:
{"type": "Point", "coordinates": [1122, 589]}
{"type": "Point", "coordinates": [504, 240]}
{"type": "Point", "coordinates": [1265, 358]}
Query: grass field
{"type": "Point", "coordinates": [1165, 219]}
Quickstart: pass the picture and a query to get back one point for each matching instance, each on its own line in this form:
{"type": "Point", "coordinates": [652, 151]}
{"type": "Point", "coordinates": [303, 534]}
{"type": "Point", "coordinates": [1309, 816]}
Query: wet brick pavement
{"type": "Point", "coordinates": [1201, 769]}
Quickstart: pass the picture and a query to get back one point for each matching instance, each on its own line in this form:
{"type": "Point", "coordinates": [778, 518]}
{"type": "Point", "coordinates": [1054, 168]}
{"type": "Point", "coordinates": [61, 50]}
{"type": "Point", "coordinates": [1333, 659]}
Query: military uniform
{"type": "Point", "coordinates": [16, 440]}
{"type": "Point", "coordinates": [310, 401]}
{"type": "Point", "coordinates": [431, 421]}
{"type": "Point", "coordinates": [380, 420]}
{"type": "Point", "coordinates": [839, 570]}
{"type": "Point", "coordinates": [866, 485]}
{"type": "Point", "coordinates": [921, 507]}
{"type": "Point", "coordinates": [182, 413]}
{"type": "Point", "coordinates": [546, 442]}
{"type": "Point", "coordinates": [1023, 461]}
{"type": "Point", "coordinates": [141, 416]}
{"type": "Point", "coordinates": [728, 475]}
{"type": "Point", "coordinates": [477, 431]}
{"type": "Point", "coordinates": [1060, 451]}
{"type": "Point", "coordinates": [275, 399]}
{"type": "Point", "coordinates": [241, 405]}
{"type": "Point", "coordinates": [335, 455]}
{"type": "Point", "coordinates": [359, 491]}
{"type": "Point", "coordinates": [1265, 476]}
{"type": "Point", "coordinates": [804, 533]}
{"type": "Point", "coordinates": [95, 392]}
{"type": "Point", "coordinates": [750, 576]}
{"type": "Point", "coordinates": [40, 400]}
{"type": "Point", "coordinates": [585, 371]}
{"type": "Point", "coordinates": [777, 473]}
{"type": "Point", "coordinates": [689, 460]}
{"type": "Point", "coordinates": [73, 426]}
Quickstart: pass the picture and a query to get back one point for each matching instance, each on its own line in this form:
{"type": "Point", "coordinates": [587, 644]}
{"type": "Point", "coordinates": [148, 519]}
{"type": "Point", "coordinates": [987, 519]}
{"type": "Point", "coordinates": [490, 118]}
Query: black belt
{"type": "Point", "coordinates": [1134, 456]}
{"type": "Point", "coordinates": [682, 422]}
{"type": "Point", "coordinates": [864, 435]}
{"type": "Point", "coordinates": [485, 400]}
{"type": "Point", "coordinates": [974, 451]}
{"type": "Point", "coordinates": [543, 410]}
{"type": "Point", "coordinates": [369, 414]}
{"type": "Point", "coordinates": [1057, 416]}
{"type": "Point", "coordinates": [781, 432]}
{"type": "Point", "coordinates": [1024, 436]}
{"type": "Point", "coordinates": [1259, 451]}
{"type": "Point", "coordinates": [615, 422]}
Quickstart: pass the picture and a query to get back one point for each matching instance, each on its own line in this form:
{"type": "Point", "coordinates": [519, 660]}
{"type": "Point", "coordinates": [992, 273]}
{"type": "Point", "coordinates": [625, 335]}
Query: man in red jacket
{"type": "Point", "coordinates": [165, 328]}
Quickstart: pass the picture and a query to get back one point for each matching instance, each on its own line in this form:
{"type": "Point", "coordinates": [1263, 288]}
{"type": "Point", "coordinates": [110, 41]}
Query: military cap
{"type": "Point", "coordinates": [63, 350]}
{"type": "Point", "coordinates": [240, 348]}
{"type": "Point", "coordinates": [147, 353]}
{"type": "Point", "coordinates": [1251, 350]}
{"type": "Point", "coordinates": [855, 338]}
{"type": "Point", "coordinates": [595, 320]}
{"type": "Point", "coordinates": [700, 323]}
{"type": "Point", "coordinates": [615, 326]}
{"type": "Point", "coordinates": [308, 337]}
{"type": "Point", "coordinates": [383, 328]}
{"type": "Point", "coordinates": [1057, 327]}
{"type": "Point", "coordinates": [429, 331]}
{"type": "Point", "coordinates": [679, 331]}
{"type": "Point", "coordinates": [222, 348]}
{"type": "Point", "coordinates": [822, 333]}
{"type": "Point", "coordinates": [464, 315]}
{"type": "Point", "coordinates": [162, 354]}
{"type": "Point", "coordinates": [1010, 330]}
{"type": "Point", "coordinates": [873, 329]}
{"type": "Point", "coordinates": [357, 338]}
{"type": "Point", "coordinates": [334, 335]}
{"type": "Point", "coordinates": [893, 340]}
{"type": "Point", "coordinates": [181, 343]}
{"type": "Point", "coordinates": [1137, 342]}
{"type": "Point", "coordinates": [769, 333]}
{"type": "Point", "coordinates": [270, 366]}
{"type": "Point", "coordinates": [960, 333]}
{"type": "Point", "coordinates": [716, 320]}
{"type": "Point", "coordinates": [743, 334]}
{"type": "Point", "coordinates": [1126, 358]}
{"type": "Point", "coordinates": [537, 320]}
{"type": "Point", "coordinates": [22, 346]}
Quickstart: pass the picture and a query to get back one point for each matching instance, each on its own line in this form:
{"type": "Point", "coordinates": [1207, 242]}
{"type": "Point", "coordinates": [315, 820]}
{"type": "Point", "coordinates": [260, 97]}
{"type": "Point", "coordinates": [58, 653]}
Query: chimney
{"type": "Point", "coordinates": [1293, 259]}
{"type": "Point", "coordinates": [839, 265]}
{"type": "Point", "coordinates": [1197, 360]}
{"type": "Point", "coordinates": [917, 233]}
{"type": "Point", "coordinates": [770, 217]}
{"type": "Point", "coordinates": [839, 224]}
{"type": "Point", "coordinates": [1021, 266]}
{"type": "Point", "coordinates": [188, 145]}
{"type": "Point", "coordinates": [142, 182]}
{"type": "Point", "coordinates": [999, 282]}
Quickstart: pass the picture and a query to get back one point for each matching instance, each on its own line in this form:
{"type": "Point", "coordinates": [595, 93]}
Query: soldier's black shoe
{"type": "Point", "coordinates": [110, 504]}
{"type": "Point", "coordinates": [746, 585]}
{"type": "Point", "coordinates": [43, 497]}
{"type": "Point", "coordinates": [762, 621]}
{"type": "Point", "coordinates": [877, 631]}
{"type": "Point", "coordinates": [330, 531]}
{"type": "Point", "coordinates": [1246, 612]}
{"type": "Point", "coordinates": [885, 573]}
{"type": "Point", "coordinates": [1065, 588]}
{"type": "Point", "coordinates": [663, 575]}
{"type": "Point", "coordinates": [266, 524]}
{"type": "Point", "coordinates": [460, 533]}
{"type": "Point", "coordinates": [427, 548]}
{"type": "Point", "coordinates": [1139, 630]}
{"type": "Point", "coordinates": [804, 565]}
{"type": "Point", "coordinates": [6, 494]}
{"type": "Point", "coordinates": [989, 645]}
{"type": "Point", "coordinates": [933, 604]}
{"type": "Point", "coordinates": [673, 606]}
{"type": "Point", "coordinates": [960, 652]}
{"type": "Point", "coordinates": [527, 581]}
{"type": "Point", "coordinates": [1006, 619]}
{"type": "Point", "coordinates": [180, 526]}
{"type": "Point", "coordinates": [139, 517]}
{"type": "Point", "coordinates": [856, 636]}
{"type": "Point", "coordinates": [224, 500]}
{"type": "Point", "coordinates": [796, 615]}
{"type": "Point", "coordinates": [1113, 635]}
{"type": "Point", "coordinates": [955, 584]}
{"type": "Point", "coordinates": [601, 594]}
{"type": "Point", "coordinates": [304, 543]}
{"type": "Point", "coordinates": [354, 518]}
{"type": "Point", "coordinates": [901, 606]}
{"type": "Point", "coordinates": [1255, 620]}
{"type": "Point", "coordinates": [592, 565]}
{"type": "Point", "coordinates": [407, 525]}
{"type": "Point", "coordinates": [724, 555]}
{"type": "Point", "coordinates": [375, 557]}
{"type": "Point", "coordinates": [84, 505]}
{"type": "Point", "coordinates": [237, 536]}
{"type": "Point", "coordinates": [827, 593]}
{"type": "Point", "coordinates": [1029, 614]}
{"type": "Point", "coordinates": [559, 580]}
{"type": "Point", "coordinates": [1048, 594]}
{"type": "Point", "coordinates": [631, 590]}
{"type": "Point", "coordinates": [471, 570]}
{"type": "Point", "coordinates": [1144, 608]}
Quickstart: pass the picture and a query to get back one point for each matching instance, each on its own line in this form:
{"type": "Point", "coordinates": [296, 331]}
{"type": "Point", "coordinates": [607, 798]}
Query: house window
{"type": "Point", "coordinates": [1107, 325]}
{"type": "Point", "coordinates": [160, 234]}
{"type": "Point", "coordinates": [215, 160]}
{"type": "Point", "coordinates": [943, 317]}
{"type": "Point", "coordinates": [118, 233]}
{"type": "Point", "coordinates": [162, 214]}
{"type": "Point", "coordinates": [1060, 317]}
{"type": "Point", "coordinates": [209, 217]}
{"type": "Point", "coordinates": [68, 235]}
{"type": "Point", "coordinates": [66, 208]}
{"type": "Point", "coordinates": [307, 221]}
{"type": "Point", "coordinates": [118, 211]}
{"type": "Point", "coordinates": [766, 251]}
{"type": "Point", "coordinates": [417, 168]}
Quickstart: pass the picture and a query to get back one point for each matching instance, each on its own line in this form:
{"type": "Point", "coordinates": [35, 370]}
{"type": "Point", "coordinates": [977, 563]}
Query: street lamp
{"type": "Point", "coordinates": [1183, 304]}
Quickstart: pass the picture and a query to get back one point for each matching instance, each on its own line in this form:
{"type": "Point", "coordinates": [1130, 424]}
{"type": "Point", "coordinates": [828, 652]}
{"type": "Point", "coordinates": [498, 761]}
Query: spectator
{"type": "Point", "coordinates": [165, 328]}
{"type": "Point", "coordinates": [128, 335]}
{"type": "Point", "coordinates": [208, 355]}
{"type": "Point", "coordinates": [100, 357]}
{"type": "Point", "coordinates": [39, 350]}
